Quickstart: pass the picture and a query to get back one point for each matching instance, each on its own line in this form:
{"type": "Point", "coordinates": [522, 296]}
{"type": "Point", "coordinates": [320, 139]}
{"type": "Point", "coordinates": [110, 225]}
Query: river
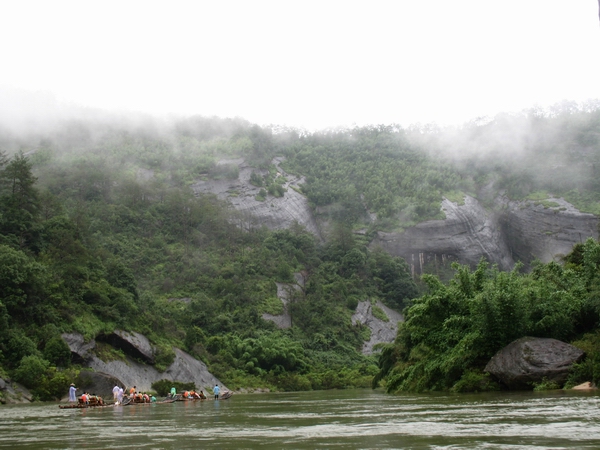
{"type": "Point", "coordinates": [357, 419]}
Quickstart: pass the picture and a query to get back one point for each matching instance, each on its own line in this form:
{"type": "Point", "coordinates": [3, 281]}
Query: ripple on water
{"type": "Point", "coordinates": [348, 419]}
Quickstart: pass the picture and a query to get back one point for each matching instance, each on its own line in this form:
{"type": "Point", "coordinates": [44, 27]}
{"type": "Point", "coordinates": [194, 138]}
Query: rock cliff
{"type": "Point", "coordinates": [514, 231]}
{"type": "Point", "coordinates": [508, 232]}
{"type": "Point", "coordinates": [275, 213]}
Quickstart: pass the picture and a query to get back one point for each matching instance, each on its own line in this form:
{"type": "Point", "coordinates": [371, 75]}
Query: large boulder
{"type": "Point", "coordinates": [530, 360]}
{"type": "Point", "coordinates": [133, 344]}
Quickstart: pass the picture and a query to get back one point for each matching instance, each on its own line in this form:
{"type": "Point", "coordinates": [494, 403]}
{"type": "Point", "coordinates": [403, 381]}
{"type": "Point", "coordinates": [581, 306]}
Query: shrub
{"type": "Point", "coordinates": [164, 357]}
{"type": "Point", "coordinates": [31, 371]}
{"type": "Point", "coordinates": [58, 352]}
{"type": "Point", "coordinates": [475, 381]}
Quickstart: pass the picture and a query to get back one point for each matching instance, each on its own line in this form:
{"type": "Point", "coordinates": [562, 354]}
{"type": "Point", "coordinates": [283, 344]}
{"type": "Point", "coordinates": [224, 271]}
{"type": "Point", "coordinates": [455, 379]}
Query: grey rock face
{"type": "Point", "coordinates": [381, 331]}
{"type": "Point", "coordinates": [130, 372]}
{"type": "Point", "coordinates": [534, 231]}
{"type": "Point", "coordinates": [2, 384]}
{"type": "Point", "coordinates": [520, 231]}
{"type": "Point", "coordinates": [81, 351]}
{"type": "Point", "coordinates": [132, 343]}
{"type": "Point", "coordinates": [528, 360]}
{"type": "Point", "coordinates": [468, 233]}
{"type": "Point", "coordinates": [274, 213]}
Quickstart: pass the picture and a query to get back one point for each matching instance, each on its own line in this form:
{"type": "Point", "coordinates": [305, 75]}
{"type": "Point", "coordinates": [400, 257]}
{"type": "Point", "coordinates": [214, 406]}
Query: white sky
{"type": "Point", "coordinates": [311, 64]}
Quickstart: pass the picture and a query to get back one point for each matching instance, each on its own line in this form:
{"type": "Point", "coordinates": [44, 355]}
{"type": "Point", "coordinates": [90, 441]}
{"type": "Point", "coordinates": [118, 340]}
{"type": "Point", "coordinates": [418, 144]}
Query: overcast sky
{"type": "Point", "coordinates": [311, 64]}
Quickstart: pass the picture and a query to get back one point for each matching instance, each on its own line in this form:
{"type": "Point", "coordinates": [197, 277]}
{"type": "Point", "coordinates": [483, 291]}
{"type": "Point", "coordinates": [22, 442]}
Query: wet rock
{"type": "Point", "coordinates": [531, 360]}
{"type": "Point", "coordinates": [2, 384]}
{"type": "Point", "coordinates": [381, 331]}
{"type": "Point", "coordinates": [133, 344]}
{"type": "Point", "coordinates": [81, 351]}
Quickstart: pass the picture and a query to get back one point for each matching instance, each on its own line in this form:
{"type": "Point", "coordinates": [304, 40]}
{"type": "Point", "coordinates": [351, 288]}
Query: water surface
{"type": "Point", "coordinates": [361, 419]}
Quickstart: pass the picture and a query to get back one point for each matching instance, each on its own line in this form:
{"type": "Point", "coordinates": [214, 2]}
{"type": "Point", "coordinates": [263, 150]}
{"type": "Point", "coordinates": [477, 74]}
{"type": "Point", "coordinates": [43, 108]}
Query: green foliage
{"type": "Point", "coordinates": [57, 352]}
{"type": "Point", "coordinates": [164, 356]}
{"type": "Point", "coordinates": [379, 313]}
{"type": "Point", "coordinates": [451, 333]}
{"type": "Point", "coordinates": [31, 370]}
{"type": "Point", "coordinates": [475, 381]}
{"type": "Point", "coordinates": [546, 385]}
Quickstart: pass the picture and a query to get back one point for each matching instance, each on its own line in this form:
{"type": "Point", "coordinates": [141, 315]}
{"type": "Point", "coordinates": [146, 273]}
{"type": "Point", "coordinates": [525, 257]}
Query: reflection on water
{"type": "Point", "coordinates": [331, 419]}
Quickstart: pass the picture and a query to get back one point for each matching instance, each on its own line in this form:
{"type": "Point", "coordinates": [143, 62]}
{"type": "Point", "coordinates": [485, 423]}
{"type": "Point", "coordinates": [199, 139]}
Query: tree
{"type": "Point", "coordinates": [19, 204]}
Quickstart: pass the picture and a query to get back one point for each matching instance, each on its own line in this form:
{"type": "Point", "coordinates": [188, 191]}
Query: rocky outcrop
{"type": "Point", "coordinates": [130, 372]}
{"type": "Point", "coordinates": [81, 351]}
{"type": "Point", "coordinates": [133, 344]}
{"type": "Point", "coordinates": [544, 230]}
{"type": "Point", "coordinates": [274, 213]}
{"type": "Point", "coordinates": [381, 331]}
{"type": "Point", "coordinates": [517, 231]}
{"type": "Point", "coordinates": [11, 393]}
{"type": "Point", "coordinates": [530, 360]}
{"type": "Point", "coordinates": [468, 233]}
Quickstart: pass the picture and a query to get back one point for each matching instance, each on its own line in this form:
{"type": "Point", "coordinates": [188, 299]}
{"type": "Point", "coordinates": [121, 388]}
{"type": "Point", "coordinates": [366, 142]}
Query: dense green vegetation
{"type": "Point", "coordinates": [100, 229]}
{"type": "Point", "coordinates": [87, 244]}
{"type": "Point", "coordinates": [452, 332]}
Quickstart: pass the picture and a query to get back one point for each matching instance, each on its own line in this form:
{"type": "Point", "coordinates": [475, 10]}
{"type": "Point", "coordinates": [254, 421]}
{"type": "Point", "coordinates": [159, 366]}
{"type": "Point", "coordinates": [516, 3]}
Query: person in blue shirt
{"type": "Point", "coordinates": [216, 391]}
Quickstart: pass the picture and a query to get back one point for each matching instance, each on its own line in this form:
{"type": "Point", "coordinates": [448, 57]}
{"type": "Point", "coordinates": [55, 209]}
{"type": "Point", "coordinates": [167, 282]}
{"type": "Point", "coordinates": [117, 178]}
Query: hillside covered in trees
{"type": "Point", "coordinates": [100, 229]}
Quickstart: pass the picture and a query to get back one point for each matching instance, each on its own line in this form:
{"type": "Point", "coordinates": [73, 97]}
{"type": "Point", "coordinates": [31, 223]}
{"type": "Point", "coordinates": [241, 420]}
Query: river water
{"type": "Point", "coordinates": [361, 419]}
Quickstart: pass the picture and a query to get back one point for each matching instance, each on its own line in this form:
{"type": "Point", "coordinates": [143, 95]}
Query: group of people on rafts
{"type": "Point", "coordinates": [193, 395]}
{"type": "Point", "coordinates": [135, 396]}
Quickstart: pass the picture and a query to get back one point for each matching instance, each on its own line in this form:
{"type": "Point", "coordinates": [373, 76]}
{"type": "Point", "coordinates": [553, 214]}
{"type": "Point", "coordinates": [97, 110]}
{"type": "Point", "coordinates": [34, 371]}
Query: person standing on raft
{"type": "Point", "coordinates": [216, 390]}
{"type": "Point", "coordinates": [72, 394]}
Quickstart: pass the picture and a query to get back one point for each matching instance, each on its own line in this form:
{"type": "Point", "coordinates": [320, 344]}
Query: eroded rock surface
{"type": "Point", "coordinates": [274, 213]}
{"type": "Point", "coordinates": [81, 351]}
{"type": "Point", "coordinates": [381, 331]}
{"type": "Point", "coordinates": [544, 232]}
{"type": "Point", "coordinates": [519, 231]}
{"type": "Point", "coordinates": [529, 360]}
{"type": "Point", "coordinates": [133, 344]}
